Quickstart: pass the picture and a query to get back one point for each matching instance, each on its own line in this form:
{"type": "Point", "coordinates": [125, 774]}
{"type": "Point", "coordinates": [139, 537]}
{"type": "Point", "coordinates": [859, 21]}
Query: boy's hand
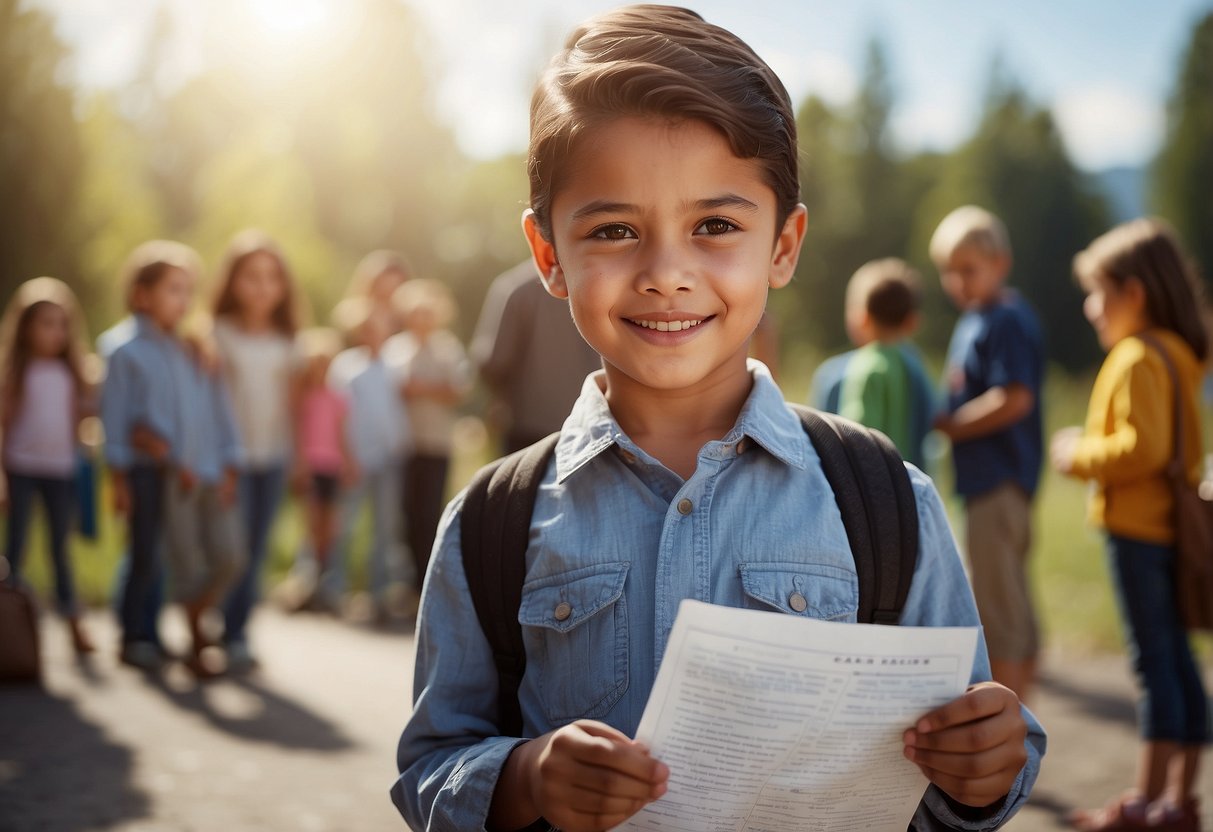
{"type": "Point", "coordinates": [1062, 448]}
{"type": "Point", "coordinates": [584, 777]}
{"type": "Point", "coordinates": [187, 479]}
{"type": "Point", "coordinates": [972, 747]}
{"type": "Point", "coordinates": [120, 494]}
{"type": "Point", "coordinates": [228, 487]}
{"type": "Point", "coordinates": [148, 442]}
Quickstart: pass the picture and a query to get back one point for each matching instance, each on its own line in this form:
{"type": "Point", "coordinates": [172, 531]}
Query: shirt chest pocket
{"type": "Point", "coordinates": [812, 590]}
{"type": "Point", "coordinates": [575, 627]}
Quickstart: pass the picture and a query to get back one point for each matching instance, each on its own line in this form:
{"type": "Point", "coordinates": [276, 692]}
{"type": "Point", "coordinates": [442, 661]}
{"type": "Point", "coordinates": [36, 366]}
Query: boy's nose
{"type": "Point", "coordinates": [663, 272]}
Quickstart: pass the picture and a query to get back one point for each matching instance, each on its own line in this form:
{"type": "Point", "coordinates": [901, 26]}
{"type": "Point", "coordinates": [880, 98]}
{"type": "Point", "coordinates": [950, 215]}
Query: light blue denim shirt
{"type": "Point", "coordinates": [147, 384]}
{"type": "Point", "coordinates": [214, 443]}
{"type": "Point", "coordinates": [378, 425]}
{"type": "Point", "coordinates": [623, 540]}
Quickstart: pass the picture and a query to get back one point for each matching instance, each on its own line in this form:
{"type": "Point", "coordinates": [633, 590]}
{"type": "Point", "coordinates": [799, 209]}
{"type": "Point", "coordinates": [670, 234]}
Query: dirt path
{"type": "Point", "coordinates": [308, 742]}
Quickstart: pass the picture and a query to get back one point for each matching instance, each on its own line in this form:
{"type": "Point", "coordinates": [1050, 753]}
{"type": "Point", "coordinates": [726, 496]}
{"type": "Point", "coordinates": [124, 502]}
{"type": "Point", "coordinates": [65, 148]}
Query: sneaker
{"type": "Point", "coordinates": [240, 658]}
{"type": "Point", "coordinates": [141, 654]}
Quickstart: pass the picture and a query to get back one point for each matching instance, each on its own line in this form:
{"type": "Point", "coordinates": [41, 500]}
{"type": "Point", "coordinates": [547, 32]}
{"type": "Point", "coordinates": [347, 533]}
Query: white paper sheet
{"type": "Point", "coordinates": [774, 722]}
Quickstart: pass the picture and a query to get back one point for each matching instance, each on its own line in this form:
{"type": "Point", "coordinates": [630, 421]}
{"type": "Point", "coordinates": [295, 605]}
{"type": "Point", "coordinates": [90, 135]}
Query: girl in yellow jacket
{"type": "Point", "coordinates": [1143, 297]}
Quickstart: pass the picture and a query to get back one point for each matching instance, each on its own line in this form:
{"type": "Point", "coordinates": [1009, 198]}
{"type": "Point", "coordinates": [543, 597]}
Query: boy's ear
{"type": "Point", "coordinates": [543, 252]}
{"type": "Point", "coordinates": [787, 247]}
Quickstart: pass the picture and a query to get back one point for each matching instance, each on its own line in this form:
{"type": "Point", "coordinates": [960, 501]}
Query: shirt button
{"type": "Point", "coordinates": [797, 602]}
{"type": "Point", "coordinates": [741, 446]}
{"type": "Point", "coordinates": [685, 506]}
{"type": "Point", "coordinates": [628, 457]}
{"type": "Point", "coordinates": [563, 610]}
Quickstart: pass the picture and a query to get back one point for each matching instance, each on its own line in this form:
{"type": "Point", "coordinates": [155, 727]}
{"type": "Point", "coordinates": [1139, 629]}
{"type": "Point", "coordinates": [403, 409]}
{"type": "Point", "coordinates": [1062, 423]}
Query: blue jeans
{"type": "Point", "coordinates": [382, 488]}
{"type": "Point", "coordinates": [1173, 706]}
{"type": "Point", "coordinates": [58, 497]}
{"type": "Point", "coordinates": [260, 491]}
{"type": "Point", "coordinates": [143, 574]}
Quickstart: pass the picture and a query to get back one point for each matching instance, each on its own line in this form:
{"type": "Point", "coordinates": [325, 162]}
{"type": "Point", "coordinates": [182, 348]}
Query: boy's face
{"type": "Point", "coordinates": [167, 300]}
{"type": "Point", "coordinates": [973, 278]}
{"type": "Point", "coordinates": [665, 244]}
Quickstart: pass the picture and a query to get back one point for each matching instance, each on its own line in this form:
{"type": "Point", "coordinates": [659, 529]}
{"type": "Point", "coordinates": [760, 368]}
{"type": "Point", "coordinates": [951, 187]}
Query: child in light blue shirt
{"type": "Point", "coordinates": [664, 205]}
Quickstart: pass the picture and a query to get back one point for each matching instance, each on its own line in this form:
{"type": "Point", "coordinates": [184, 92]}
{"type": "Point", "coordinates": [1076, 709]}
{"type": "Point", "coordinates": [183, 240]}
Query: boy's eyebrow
{"type": "Point", "coordinates": [602, 206]}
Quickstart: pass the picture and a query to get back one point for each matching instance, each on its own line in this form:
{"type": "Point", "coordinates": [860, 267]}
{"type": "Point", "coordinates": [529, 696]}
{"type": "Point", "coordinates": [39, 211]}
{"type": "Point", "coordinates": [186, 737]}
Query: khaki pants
{"type": "Point", "coordinates": [999, 537]}
{"type": "Point", "coordinates": [204, 540]}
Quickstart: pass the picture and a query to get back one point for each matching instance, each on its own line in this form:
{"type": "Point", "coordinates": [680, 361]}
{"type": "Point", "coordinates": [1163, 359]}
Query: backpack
{"type": "Point", "coordinates": [862, 466]}
{"type": "Point", "coordinates": [1193, 519]}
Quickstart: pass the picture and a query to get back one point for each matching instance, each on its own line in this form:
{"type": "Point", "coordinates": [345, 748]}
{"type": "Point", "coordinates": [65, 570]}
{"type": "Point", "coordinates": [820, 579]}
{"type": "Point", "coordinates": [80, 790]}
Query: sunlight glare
{"type": "Point", "coordinates": [290, 17]}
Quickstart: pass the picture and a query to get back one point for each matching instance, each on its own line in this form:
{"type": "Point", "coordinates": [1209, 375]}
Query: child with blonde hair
{"type": "Point", "coordinates": [993, 377]}
{"type": "Point", "coordinates": [43, 397]}
{"type": "Point", "coordinates": [1145, 304]}
{"type": "Point", "coordinates": [435, 375]}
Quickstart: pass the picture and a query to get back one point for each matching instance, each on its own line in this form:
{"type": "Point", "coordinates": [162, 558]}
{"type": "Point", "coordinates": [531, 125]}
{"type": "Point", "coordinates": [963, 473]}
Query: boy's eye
{"type": "Point", "coordinates": [715, 226]}
{"type": "Point", "coordinates": [612, 231]}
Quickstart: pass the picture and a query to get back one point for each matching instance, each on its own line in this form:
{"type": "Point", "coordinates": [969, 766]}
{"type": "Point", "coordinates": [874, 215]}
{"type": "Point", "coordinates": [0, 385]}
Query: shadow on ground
{"type": "Point", "coordinates": [61, 755]}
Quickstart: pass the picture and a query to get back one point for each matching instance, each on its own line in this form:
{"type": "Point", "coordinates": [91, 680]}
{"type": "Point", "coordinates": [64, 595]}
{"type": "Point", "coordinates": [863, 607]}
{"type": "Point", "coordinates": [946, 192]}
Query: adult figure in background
{"type": "Point", "coordinates": [531, 356]}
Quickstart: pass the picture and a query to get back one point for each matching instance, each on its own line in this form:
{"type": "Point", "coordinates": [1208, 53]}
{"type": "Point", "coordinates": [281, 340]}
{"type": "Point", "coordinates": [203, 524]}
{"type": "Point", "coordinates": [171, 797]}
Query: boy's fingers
{"type": "Point", "coordinates": [613, 782]}
{"type": "Point", "coordinates": [588, 802]}
{"type": "Point", "coordinates": [970, 765]}
{"type": "Point", "coordinates": [979, 735]}
{"type": "Point", "coordinates": [980, 701]}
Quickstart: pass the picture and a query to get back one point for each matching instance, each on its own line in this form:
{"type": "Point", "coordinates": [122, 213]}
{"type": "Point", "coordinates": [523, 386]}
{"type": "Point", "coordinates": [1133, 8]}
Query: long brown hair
{"type": "Point", "coordinates": [1147, 250]}
{"type": "Point", "coordinates": [15, 353]}
{"type": "Point", "coordinates": [286, 317]}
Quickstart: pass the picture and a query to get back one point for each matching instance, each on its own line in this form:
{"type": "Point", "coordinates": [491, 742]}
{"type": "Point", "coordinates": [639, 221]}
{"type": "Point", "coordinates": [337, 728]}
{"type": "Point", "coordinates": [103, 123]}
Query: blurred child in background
{"type": "Point", "coordinates": [436, 377]}
{"type": "Point", "coordinates": [377, 277]}
{"type": "Point", "coordinates": [256, 316]}
{"type": "Point", "coordinates": [323, 462]}
{"type": "Point", "coordinates": [882, 383]}
{"type": "Point", "coordinates": [377, 430]}
{"type": "Point", "coordinates": [1144, 301]}
{"type": "Point", "coordinates": [205, 543]}
{"type": "Point", "coordinates": [142, 410]}
{"type": "Point", "coordinates": [43, 396]}
{"type": "Point", "coordinates": [994, 372]}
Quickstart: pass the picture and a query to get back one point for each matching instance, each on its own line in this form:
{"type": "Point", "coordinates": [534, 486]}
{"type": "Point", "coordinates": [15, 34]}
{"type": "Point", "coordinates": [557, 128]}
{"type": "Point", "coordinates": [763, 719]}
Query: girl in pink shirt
{"type": "Point", "coordinates": [42, 396]}
{"type": "Point", "coordinates": [322, 459]}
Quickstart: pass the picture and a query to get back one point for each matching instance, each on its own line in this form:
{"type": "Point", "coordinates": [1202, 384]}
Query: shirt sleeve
{"type": "Point", "coordinates": [940, 597]}
{"type": "Point", "coordinates": [451, 752]}
{"type": "Point", "coordinates": [117, 393]}
{"type": "Point", "coordinates": [1139, 442]}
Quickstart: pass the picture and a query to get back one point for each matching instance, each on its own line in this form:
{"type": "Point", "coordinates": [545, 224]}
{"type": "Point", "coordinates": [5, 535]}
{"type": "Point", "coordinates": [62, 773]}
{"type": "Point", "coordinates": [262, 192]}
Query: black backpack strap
{"type": "Point", "coordinates": [868, 478]}
{"type": "Point", "coordinates": [495, 530]}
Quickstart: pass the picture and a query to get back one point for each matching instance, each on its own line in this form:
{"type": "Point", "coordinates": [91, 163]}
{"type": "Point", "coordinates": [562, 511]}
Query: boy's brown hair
{"type": "Point", "coordinates": [889, 290]}
{"type": "Point", "coordinates": [666, 62]}
{"type": "Point", "coordinates": [970, 226]}
{"type": "Point", "coordinates": [150, 261]}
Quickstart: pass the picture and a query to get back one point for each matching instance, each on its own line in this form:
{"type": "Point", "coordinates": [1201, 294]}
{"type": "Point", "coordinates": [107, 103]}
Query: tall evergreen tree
{"type": "Point", "coordinates": [40, 154]}
{"type": "Point", "coordinates": [1183, 174]}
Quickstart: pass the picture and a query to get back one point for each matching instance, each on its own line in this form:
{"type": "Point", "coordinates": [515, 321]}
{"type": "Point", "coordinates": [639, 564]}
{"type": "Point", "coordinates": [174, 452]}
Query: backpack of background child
{"type": "Point", "coordinates": [862, 466]}
{"type": "Point", "coordinates": [20, 657]}
{"type": "Point", "coordinates": [1193, 521]}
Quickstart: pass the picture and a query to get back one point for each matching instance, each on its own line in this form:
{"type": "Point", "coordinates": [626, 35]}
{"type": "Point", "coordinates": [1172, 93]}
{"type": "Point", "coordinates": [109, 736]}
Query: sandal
{"type": "Point", "coordinates": [1126, 813]}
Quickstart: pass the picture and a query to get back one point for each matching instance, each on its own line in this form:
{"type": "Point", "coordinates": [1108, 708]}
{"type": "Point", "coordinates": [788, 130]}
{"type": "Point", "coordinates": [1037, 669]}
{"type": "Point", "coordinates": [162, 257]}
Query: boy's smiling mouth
{"type": "Point", "coordinates": [669, 321]}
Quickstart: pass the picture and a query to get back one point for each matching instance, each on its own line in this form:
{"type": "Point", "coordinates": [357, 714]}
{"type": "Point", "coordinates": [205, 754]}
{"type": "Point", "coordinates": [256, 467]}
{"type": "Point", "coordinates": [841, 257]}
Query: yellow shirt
{"type": "Point", "coordinates": [1127, 443]}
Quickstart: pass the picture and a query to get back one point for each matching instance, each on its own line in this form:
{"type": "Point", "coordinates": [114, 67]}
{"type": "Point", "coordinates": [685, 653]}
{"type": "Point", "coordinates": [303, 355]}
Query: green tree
{"type": "Point", "coordinates": [1016, 166]}
{"type": "Point", "coordinates": [1183, 173]}
{"type": "Point", "coordinates": [40, 154]}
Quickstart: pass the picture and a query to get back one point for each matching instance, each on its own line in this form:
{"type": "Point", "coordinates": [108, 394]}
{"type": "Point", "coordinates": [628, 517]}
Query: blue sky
{"type": "Point", "coordinates": [1104, 68]}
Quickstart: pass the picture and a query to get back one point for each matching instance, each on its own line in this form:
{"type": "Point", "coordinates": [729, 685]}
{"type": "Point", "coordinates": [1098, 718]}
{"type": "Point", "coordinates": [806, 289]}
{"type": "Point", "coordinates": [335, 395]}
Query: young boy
{"type": "Point", "coordinates": [882, 383]}
{"type": "Point", "coordinates": [664, 206]}
{"type": "Point", "coordinates": [995, 367]}
{"type": "Point", "coordinates": [377, 430]}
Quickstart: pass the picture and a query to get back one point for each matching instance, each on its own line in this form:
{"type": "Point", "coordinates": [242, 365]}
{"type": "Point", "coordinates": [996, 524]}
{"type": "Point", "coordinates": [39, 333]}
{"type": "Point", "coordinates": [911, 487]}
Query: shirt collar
{"type": "Point", "coordinates": [764, 418]}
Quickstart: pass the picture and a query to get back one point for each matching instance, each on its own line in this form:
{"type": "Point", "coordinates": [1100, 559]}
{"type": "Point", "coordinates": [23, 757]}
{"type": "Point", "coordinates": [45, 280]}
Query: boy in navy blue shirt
{"type": "Point", "coordinates": [664, 205]}
{"type": "Point", "coordinates": [994, 372]}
